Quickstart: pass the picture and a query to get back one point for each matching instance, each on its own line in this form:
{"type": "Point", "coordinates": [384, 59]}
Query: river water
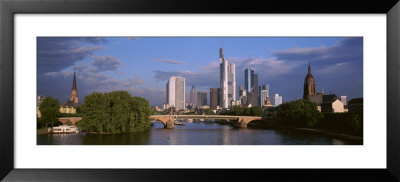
{"type": "Point", "coordinates": [192, 133]}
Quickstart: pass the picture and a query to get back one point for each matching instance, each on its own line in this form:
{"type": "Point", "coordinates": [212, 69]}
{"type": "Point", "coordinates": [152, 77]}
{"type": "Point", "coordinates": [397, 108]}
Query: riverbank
{"type": "Point", "coordinates": [42, 131]}
{"type": "Point", "coordinates": [273, 125]}
{"type": "Point", "coordinates": [352, 139]}
{"type": "Point", "coordinates": [131, 130]}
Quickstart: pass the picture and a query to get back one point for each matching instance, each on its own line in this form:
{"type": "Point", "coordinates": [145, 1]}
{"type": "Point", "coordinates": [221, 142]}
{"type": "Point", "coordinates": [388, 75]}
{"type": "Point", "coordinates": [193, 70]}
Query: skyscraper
{"type": "Point", "coordinates": [254, 82]}
{"type": "Point", "coordinates": [193, 98]}
{"type": "Point", "coordinates": [265, 87]}
{"type": "Point", "coordinates": [227, 81]}
{"type": "Point", "coordinates": [309, 85]}
{"type": "Point", "coordinates": [278, 100]}
{"type": "Point", "coordinates": [201, 98]}
{"type": "Point", "coordinates": [176, 92]}
{"type": "Point", "coordinates": [214, 97]}
{"type": "Point", "coordinates": [251, 85]}
{"type": "Point", "coordinates": [247, 78]}
{"type": "Point", "coordinates": [264, 94]}
{"type": "Point", "coordinates": [242, 95]}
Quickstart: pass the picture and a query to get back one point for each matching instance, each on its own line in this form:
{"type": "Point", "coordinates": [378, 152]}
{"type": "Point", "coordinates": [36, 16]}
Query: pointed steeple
{"type": "Point", "coordinates": [221, 53]}
{"type": "Point", "coordinates": [74, 81]}
{"type": "Point", "coordinates": [309, 84]}
{"type": "Point", "coordinates": [74, 91]}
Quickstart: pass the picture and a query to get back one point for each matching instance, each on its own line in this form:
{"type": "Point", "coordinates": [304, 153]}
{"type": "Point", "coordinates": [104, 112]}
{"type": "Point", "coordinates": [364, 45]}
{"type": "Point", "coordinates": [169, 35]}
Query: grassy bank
{"type": "Point", "coordinates": [42, 131]}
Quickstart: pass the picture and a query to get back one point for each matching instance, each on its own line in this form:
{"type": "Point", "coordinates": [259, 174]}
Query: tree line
{"type": "Point", "coordinates": [243, 111]}
{"type": "Point", "coordinates": [304, 114]}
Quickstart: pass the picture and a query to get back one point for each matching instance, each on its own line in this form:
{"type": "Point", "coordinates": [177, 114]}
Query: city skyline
{"type": "Point", "coordinates": [107, 64]}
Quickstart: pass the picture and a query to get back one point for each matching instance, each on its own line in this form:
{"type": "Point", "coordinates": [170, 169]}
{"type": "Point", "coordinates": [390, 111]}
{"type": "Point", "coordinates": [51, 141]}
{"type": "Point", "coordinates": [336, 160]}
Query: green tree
{"type": "Point", "coordinates": [243, 111]}
{"type": "Point", "coordinates": [356, 122]}
{"type": "Point", "coordinates": [94, 112]}
{"type": "Point", "coordinates": [114, 112]}
{"type": "Point", "coordinates": [253, 111]}
{"type": "Point", "coordinates": [49, 109]}
{"type": "Point", "coordinates": [209, 111]}
{"type": "Point", "coordinates": [299, 113]}
{"type": "Point", "coordinates": [237, 110]}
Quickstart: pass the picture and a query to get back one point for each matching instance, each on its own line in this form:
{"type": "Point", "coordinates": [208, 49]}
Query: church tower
{"type": "Point", "coordinates": [74, 91]}
{"type": "Point", "coordinates": [309, 84]}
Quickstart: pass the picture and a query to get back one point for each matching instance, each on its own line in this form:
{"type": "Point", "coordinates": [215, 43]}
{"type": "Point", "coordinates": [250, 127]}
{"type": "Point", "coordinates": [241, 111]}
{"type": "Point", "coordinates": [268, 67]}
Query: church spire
{"type": "Point", "coordinates": [74, 91]}
{"type": "Point", "coordinates": [74, 81]}
{"type": "Point", "coordinates": [309, 84]}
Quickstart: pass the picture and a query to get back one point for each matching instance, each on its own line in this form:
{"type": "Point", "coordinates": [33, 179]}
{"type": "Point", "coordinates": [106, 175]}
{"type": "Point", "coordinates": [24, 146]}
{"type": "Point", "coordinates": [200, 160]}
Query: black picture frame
{"type": "Point", "coordinates": [9, 8]}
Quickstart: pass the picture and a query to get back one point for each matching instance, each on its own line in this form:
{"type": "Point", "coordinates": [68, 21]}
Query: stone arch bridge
{"type": "Point", "coordinates": [239, 121]}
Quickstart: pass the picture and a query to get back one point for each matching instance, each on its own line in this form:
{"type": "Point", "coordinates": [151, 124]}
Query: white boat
{"type": "Point", "coordinates": [65, 129]}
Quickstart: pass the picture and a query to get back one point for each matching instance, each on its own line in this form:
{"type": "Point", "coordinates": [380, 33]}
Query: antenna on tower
{"type": "Point", "coordinates": [222, 42]}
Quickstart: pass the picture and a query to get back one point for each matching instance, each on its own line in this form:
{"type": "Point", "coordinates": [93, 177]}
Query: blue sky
{"type": "Point", "coordinates": [142, 65]}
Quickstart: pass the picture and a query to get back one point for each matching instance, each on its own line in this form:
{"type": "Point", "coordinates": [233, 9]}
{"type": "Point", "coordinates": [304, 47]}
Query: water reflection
{"type": "Point", "coordinates": [192, 133]}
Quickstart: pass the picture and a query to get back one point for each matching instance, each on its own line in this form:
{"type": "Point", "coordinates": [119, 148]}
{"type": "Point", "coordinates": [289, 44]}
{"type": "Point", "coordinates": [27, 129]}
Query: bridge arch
{"type": "Point", "coordinates": [252, 121]}
{"type": "Point", "coordinates": [159, 121]}
{"type": "Point", "coordinates": [168, 121]}
{"type": "Point", "coordinates": [245, 120]}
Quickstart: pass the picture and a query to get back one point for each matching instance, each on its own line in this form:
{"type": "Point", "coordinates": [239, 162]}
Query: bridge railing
{"type": "Point", "coordinates": [205, 116]}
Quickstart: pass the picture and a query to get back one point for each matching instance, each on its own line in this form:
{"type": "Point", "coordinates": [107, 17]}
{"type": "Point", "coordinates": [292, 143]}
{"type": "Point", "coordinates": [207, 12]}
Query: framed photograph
{"type": "Point", "coordinates": [142, 90]}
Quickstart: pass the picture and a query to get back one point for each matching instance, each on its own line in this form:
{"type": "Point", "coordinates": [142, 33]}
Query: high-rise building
{"type": "Point", "coordinates": [214, 97]}
{"type": "Point", "coordinates": [264, 97]}
{"type": "Point", "coordinates": [264, 93]}
{"type": "Point", "coordinates": [176, 92]}
{"type": "Point", "coordinates": [201, 98]}
{"type": "Point", "coordinates": [242, 95]}
{"type": "Point", "coordinates": [254, 82]}
{"type": "Point", "coordinates": [251, 85]}
{"type": "Point", "coordinates": [193, 98]}
{"type": "Point", "coordinates": [252, 99]}
{"type": "Point", "coordinates": [247, 78]}
{"type": "Point", "coordinates": [250, 79]}
{"type": "Point", "coordinates": [309, 85]}
{"type": "Point", "coordinates": [343, 99]}
{"type": "Point", "coordinates": [227, 81]}
{"type": "Point", "coordinates": [278, 100]}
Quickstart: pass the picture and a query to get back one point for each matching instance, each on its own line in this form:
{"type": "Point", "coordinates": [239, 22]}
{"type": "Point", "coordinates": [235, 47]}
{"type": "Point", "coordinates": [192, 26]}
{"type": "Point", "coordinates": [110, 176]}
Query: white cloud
{"type": "Point", "coordinates": [170, 61]}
